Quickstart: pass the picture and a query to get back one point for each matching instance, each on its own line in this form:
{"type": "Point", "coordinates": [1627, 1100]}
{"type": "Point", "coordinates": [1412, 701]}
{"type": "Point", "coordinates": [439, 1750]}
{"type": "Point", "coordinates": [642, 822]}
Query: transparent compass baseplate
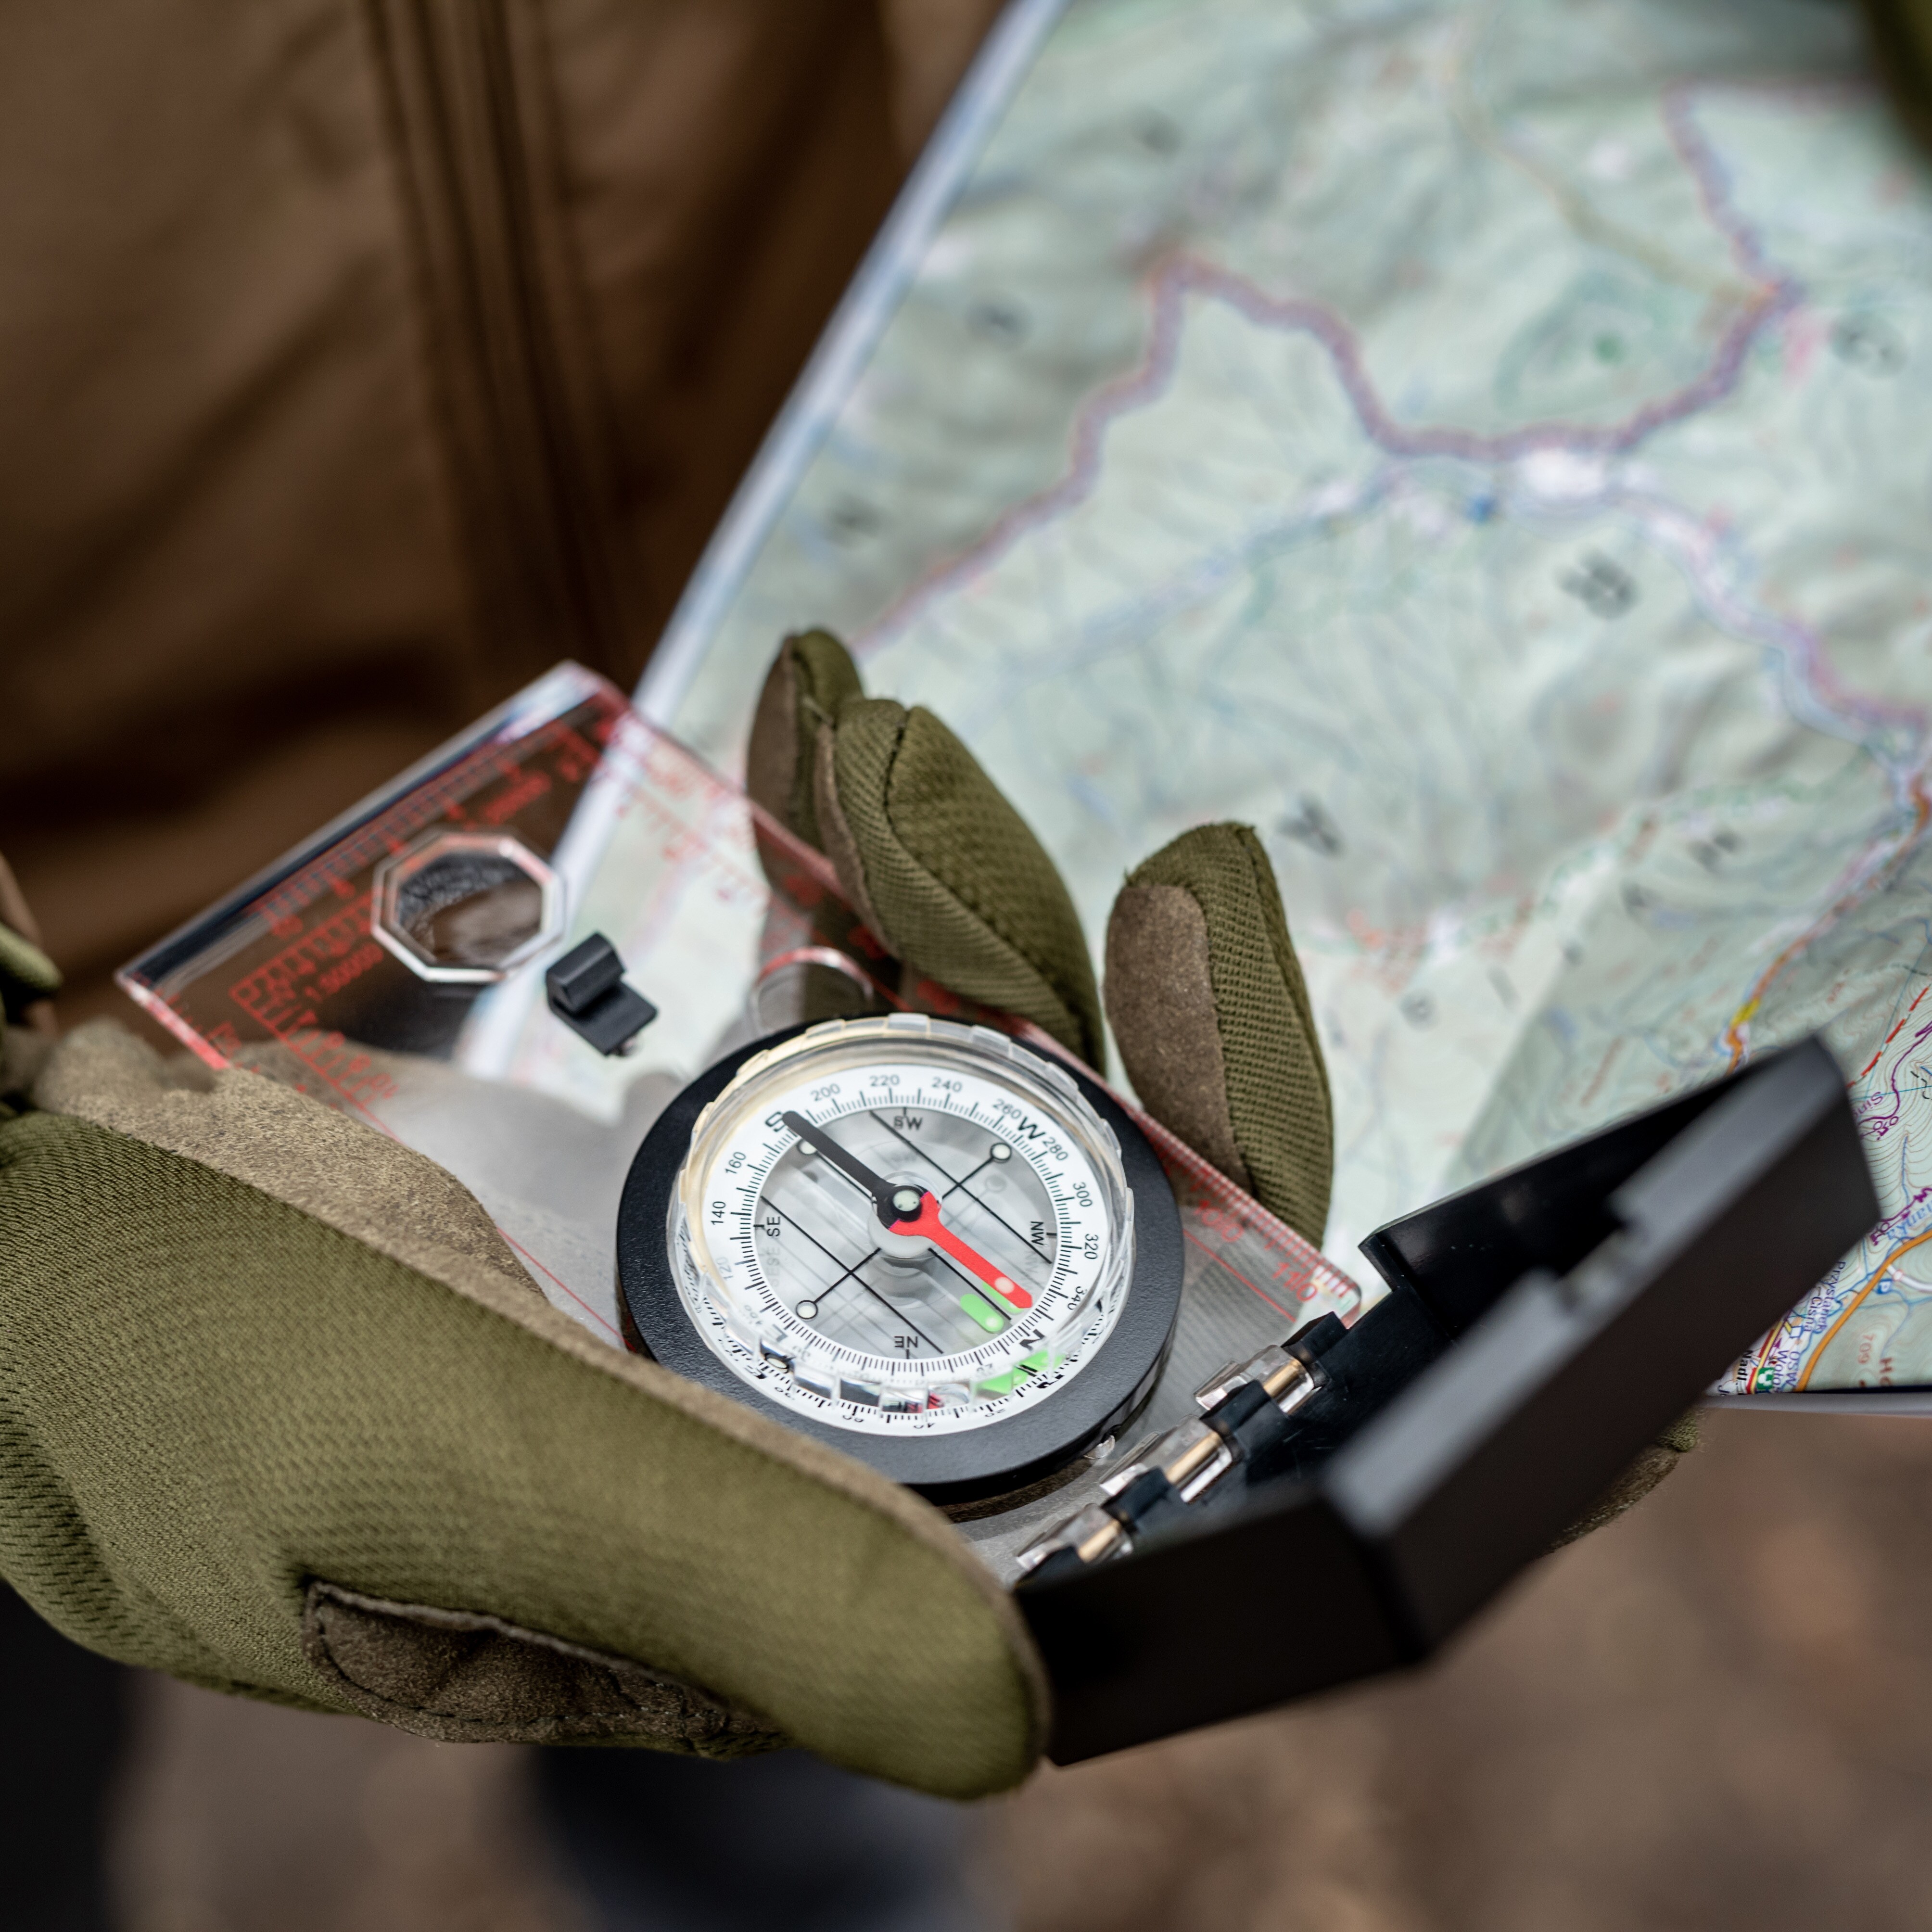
{"type": "Point", "coordinates": [563, 815]}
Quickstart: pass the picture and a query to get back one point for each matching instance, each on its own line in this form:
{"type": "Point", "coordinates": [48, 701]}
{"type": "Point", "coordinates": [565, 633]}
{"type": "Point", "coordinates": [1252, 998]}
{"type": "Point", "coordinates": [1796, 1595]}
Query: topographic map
{"type": "Point", "coordinates": [1488, 449]}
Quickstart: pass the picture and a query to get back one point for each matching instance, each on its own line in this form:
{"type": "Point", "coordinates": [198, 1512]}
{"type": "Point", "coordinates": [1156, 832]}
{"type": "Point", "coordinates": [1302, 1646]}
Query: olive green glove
{"type": "Point", "coordinates": [280, 1413]}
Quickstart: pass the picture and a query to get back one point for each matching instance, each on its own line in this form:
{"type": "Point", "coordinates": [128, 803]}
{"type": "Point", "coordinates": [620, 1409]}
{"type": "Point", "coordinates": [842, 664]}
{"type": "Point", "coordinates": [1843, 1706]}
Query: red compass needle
{"type": "Point", "coordinates": [889, 1202]}
{"type": "Point", "coordinates": [929, 1222]}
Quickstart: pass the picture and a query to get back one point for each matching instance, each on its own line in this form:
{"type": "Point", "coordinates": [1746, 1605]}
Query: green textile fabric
{"type": "Point", "coordinates": [931, 856]}
{"type": "Point", "coordinates": [26, 973]}
{"type": "Point", "coordinates": [812, 676]}
{"type": "Point", "coordinates": [1637, 1482]}
{"type": "Point", "coordinates": [959, 886]}
{"type": "Point", "coordinates": [1277, 1083]}
{"type": "Point", "coordinates": [953, 881]}
{"type": "Point", "coordinates": [211, 1400]}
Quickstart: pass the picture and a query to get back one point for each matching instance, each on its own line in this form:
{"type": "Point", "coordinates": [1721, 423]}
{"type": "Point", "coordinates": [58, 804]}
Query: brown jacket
{"type": "Point", "coordinates": [359, 358]}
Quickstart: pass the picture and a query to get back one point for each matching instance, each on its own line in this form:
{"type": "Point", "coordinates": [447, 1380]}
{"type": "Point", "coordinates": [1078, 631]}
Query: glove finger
{"type": "Point", "coordinates": [928, 850]}
{"type": "Point", "coordinates": [812, 676]}
{"type": "Point", "coordinates": [27, 975]}
{"type": "Point", "coordinates": [245, 1447]}
{"type": "Point", "coordinates": [1650, 1469]}
{"type": "Point", "coordinates": [1212, 1018]}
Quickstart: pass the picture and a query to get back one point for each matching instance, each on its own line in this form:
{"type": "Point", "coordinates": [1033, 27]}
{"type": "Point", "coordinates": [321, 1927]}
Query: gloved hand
{"type": "Point", "coordinates": [280, 1413]}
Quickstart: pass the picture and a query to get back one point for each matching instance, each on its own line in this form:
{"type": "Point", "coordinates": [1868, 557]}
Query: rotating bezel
{"type": "Point", "coordinates": [1009, 1454]}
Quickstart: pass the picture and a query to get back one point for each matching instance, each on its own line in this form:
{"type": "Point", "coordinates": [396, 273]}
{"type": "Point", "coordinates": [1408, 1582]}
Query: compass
{"type": "Point", "coordinates": [918, 1240]}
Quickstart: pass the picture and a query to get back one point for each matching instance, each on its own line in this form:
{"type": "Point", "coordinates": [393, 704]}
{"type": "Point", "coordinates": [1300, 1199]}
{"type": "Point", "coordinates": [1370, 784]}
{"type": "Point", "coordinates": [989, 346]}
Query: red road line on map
{"type": "Point", "coordinates": [1893, 1034]}
{"type": "Point", "coordinates": [1181, 276]}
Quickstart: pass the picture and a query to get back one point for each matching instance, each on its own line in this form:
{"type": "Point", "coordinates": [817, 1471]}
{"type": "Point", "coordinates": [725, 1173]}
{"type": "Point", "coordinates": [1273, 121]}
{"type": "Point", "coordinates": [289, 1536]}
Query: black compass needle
{"type": "Point", "coordinates": [882, 1191]}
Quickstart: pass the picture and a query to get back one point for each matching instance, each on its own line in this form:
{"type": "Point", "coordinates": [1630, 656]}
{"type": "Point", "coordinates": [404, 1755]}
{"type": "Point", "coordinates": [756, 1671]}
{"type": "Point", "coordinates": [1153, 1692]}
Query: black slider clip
{"type": "Point", "coordinates": [587, 991]}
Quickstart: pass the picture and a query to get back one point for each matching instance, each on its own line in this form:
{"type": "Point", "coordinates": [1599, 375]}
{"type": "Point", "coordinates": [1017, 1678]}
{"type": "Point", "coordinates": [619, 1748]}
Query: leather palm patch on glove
{"type": "Point", "coordinates": [465, 1678]}
{"type": "Point", "coordinates": [1212, 1016]}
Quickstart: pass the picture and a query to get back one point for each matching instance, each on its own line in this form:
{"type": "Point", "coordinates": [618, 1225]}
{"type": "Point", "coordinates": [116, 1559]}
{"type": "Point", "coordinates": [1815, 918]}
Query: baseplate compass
{"type": "Point", "coordinates": [924, 1238]}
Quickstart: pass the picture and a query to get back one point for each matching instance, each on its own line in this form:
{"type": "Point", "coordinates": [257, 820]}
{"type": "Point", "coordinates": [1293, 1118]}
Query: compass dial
{"type": "Point", "coordinates": [922, 1243]}
{"type": "Point", "coordinates": [902, 1226]}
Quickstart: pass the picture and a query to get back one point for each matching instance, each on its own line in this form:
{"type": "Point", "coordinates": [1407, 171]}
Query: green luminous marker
{"type": "Point", "coordinates": [983, 1312]}
{"type": "Point", "coordinates": [1005, 1384]}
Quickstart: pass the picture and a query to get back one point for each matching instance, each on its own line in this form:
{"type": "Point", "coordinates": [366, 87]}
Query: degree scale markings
{"type": "Point", "coordinates": [932, 1125]}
